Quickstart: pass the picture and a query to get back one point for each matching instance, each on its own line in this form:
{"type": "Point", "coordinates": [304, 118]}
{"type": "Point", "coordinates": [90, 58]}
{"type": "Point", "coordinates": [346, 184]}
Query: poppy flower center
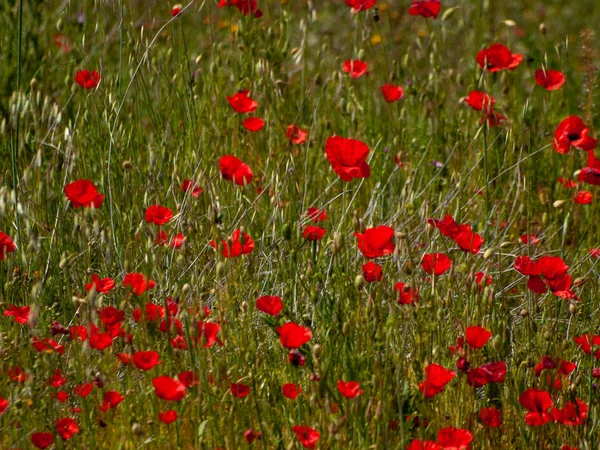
{"type": "Point", "coordinates": [573, 137]}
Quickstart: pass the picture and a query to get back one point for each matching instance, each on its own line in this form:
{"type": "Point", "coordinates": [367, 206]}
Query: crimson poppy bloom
{"type": "Point", "coordinates": [417, 444]}
{"type": "Point", "coordinates": [312, 233]}
{"type": "Point", "coordinates": [83, 194]}
{"type": "Point", "coordinates": [425, 8]}
{"type": "Point", "coordinates": [372, 272]}
{"type": "Point", "coordinates": [145, 360]}
{"type": "Point", "coordinates": [20, 314]}
{"type": "Point", "coordinates": [189, 378]}
{"type": "Point", "coordinates": [167, 417]}
{"type": "Point", "coordinates": [530, 239]}
{"type": "Point", "coordinates": [349, 389]}
{"type": "Point", "coordinates": [355, 67]}
{"type": "Point", "coordinates": [3, 405]}
{"type": "Point", "coordinates": [572, 131]}
{"type": "Point", "coordinates": [490, 417]}
{"type": "Point", "coordinates": [42, 440]}
{"type": "Point", "coordinates": [239, 390]}
{"type": "Point", "coordinates": [246, 7]}
{"type": "Point", "coordinates": [477, 336]}
{"type": "Point", "coordinates": [176, 10]}
{"type": "Point", "coordinates": [241, 103]}
{"type": "Point", "coordinates": [47, 345]}
{"type": "Point", "coordinates": [480, 101]}
{"type": "Point", "coordinates": [111, 399]}
{"type": "Point", "coordinates": [492, 372]}
{"type": "Point", "coordinates": [360, 5]}
{"type": "Point", "coordinates": [376, 242]}
{"type": "Point", "coordinates": [191, 187]}
{"type": "Point", "coordinates": [436, 264]}
{"type": "Point", "coordinates": [233, 169]}
{"type": "Point", "coordinates": [296, 358]}
{"type": "Point", "coordinates": [461, 234]}
{"type": "Point", "coordinates": [545, 364]}
{"type": "Point", "coordinates": [103, 286]}
{"type": "Point", "coordinates": [316, 215]}
{"type": "Point", "coordinates": [292, 335]}
{"type": "Point", "coordinates": [537, 402]}
{"type": "Point", "coordinates": [436, 379]}
{"type": "Point", "coordinates": [251, 435]}
{"type": "Point", "coordinates": [307, 435]}
{"type": "Point", "coordinates": [406, 294]}
{"type": "Point", "coordinates": [296, 135]}
{"type": "Point", "coordinates": [66, 428]}
{"type": "Point", "coordinates": [158, 215]}
{"type": "Point", "coordinates": [168, 388]}
{"type": "Point", "coordinates": [391, 93]}
{"type": "Point", "coordinates": [6, 245]}
{"type": "Point", "coordinates": [138, 282]}
{"type": "Point", "coordinates": [236, 246]}
{"type": "Point", "coordinates": [17, 374]}
{"type": "Point", "coordinates": [583, 197]}
{"type": "Point", "coordinates": [572, 414]}
{"type": "Point", "coordinates": [551, 80]}
{"type": "Point", "coordinates": [87, 79]}
{"type": "Point", "coordinates": [497, 57]}
{"type": "Point", "coordinates": [83, 390]}
{"type": "Point", "coordinates": [253, 124]}
{"type": "Point", "coordinates": [348, 157]}
{"type": "Point", "coordinates": [269, 305]}
{"type": "Point", "coordinates": [587, 342]}
{"type": "Point", "coordinates": [208, 333]}
{"type": "Point", "coordinates": [291, 390]}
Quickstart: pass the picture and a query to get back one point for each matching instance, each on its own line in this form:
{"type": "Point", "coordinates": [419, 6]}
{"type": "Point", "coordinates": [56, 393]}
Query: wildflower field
{"type": "Point", "coordinates": [287, 224]}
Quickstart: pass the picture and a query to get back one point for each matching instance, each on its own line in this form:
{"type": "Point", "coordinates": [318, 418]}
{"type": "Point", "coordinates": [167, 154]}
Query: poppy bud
{"type": "Point", "coordinates": [317, 351]}
{"type": "Point", "coordinates": [488, 253]}
{"type": "Point", "coordinates": [359, 282]}
{"type": "Point", "coordinates": [559, 203]}
{"type": "Point", "coordinates": [524, 313]}
{"type": "Point", "coordinates": [286, 231]}
{"type": "Point", "coordinates": [345, 329]}
{"type": "Point", "coordinates": [220, 269]}
{"type": "Point", "coordinates": [573, 308]}
{"type": "Point", "coordinates": [548, 336]}
{"type": "Point", "coordinates": [136, 429]}
{"type": "Point", "coordinates": [60, 24]}
{"type": "Point", "coordinates": [497, 343]}
{"type": "Point", "coordinates": [361, 54]}
{"type": "Point", "coordinates": [463, 365]}
{"type": "Point", "coordinates": [185, 289]}
{"type": "Point", "coordinates": [245, 306]}
{"type": "Point", "coordinates": [543, 28]}
{"type": "Point", "coordinates": [34, 84]}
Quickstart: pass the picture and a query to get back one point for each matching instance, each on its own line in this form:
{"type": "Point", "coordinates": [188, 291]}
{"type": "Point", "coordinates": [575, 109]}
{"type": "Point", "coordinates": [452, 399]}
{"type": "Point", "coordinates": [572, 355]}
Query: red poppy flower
{"type": "Point", "coordinates": [586, 342]}
{"type": "Point", "coordinates": [47, 345]}
{"type": "Point", "coordinates": [208, 333]}
{"type": "Point", "coordinates": [83, 194]}
{"type": "Point", "coordinates": [42, 440]}
{"type": "Point", "coordinates": [360, 5]}
{"type": "Point", "coordinates": [190, 186]}
{"type": "Point", "coordinates": [425, 8]}
{"type": "Point", "coordinates": [99, 341]}
{"type": "Point", "coordinates": [490, 417]}
{"type": "Point", "coordinates": [437, 377]}
{"type": "Point", "coordinates": [296, 135]}
{"type": "Point", "coordinates": [312, 233]}
{"type": "Point", "coordinates": [17, 374]}
{"type": "Point", "coordinates": [20, 314]}
{"type": "Point", "coordinates": [492, 372]}
{"type": "Point", "coordinates": [376, 242]}
{"type": "Point", "coordinates": [6, 245]}
{"type": "Point", "coordinates": [104, 285]}
{"type": "Point", "coordinates": [246, 7]}
{"type": "Point", "coordinates": [66, 428]}
{"type": "Point", "coordinates": [167, 417]}
{"type": "Point", "coordinates": [307, 435]}
{"type": "Point", "coordinates": [87, 79]}
{"type": "Point", "coordinates": [111, 399]}
{"type": "Point", "coordinates": [391, 93]}
{"type": "Point", "coordinates": [461, 234]}
{"type": "Point", "coordinates": [545, 364]}
{"type": "Point", "coordinates": [583, 197]}
{"type": "Point", "coordinates": [316, 215]}
{"type": "Point", "coordinates": [176, 10]}
{"type": "Point", "coordinates": [372, 272]}
{"type": "Point", "coordinates": [3, 405]}
{"type": "Point", "coordinates": [417, 444]}
{"type": "Point", "coordinates": [57, 379]}
{"type": "Point", "coordinates": [436, 264]}
{"type": "Point", "coordinates": [497, 57]}
{"type": "Point", "coordinates": [145, 360]}
{"type": "Point", "coordinates": [237, 245]}
{"type": "Point", "coordinates": [291, 390]}
{"type": "Point", "coordinates": [158, 215]}
{"type": "Point", "coordinates": [349, 389]}
{"type": "Point", "coordinates": [168, 388]}
{"type": "Point", "coordinates": [480, 101]}
{"type": "Point", "coordinates": [572, 131]}
{"type": "Point", "coordinates": [269, 305]}
{"type": "Point", "coordinates": [537, 402]}
{"type": "Point", "coordinates": [239, 390]}
{"type": "Point", "coordinates": [292, 335]}
{"type": "Point", "coordinates": [251, 435]}
{"type": "Point", "coordinates": [477, 336]}
{"type": "Point", "coordinates": [551, 80]}
{"type": "Point", "coordinates": [572, 414]}
{"type": "Point", "coordinates": [406, 294]}
{"type": "Point", "coordinates": [138, 282]}
{"type": "Point", "coordinates": [348, 157]}
{"type": "Point", "coordinates": [355, 68]}
{"type": "Point", "coordinates": [63, 42]}
{"type": "Point", "coordinates": [189, 378]}
{"type": "Point", "coordinates": [253, 124]}
{"type": "Point", "coordinates": [530, 239]}
{"type": "Point", "coordinates": [232, 169]}
{"type": "Point", "coordinates": [83, 390]}
{"type": "Point", "coordinates": [241, 103]}
{"type": "Point", "coordinates": [296, 358]}
{"type": "Point", "coordinates": [454, 438]}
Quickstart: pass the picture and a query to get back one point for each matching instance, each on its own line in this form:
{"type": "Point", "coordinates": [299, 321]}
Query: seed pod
{"type": "Point", "coordinates": [220, 269]}
{"type": "Point", "coordinates": [286, 232]}
{"type": "Point", "coordinates": [359, 282]}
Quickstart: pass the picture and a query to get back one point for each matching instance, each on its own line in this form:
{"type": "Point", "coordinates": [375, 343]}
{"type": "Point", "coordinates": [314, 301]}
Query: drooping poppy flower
{"type": "Point", "coordinates": [236, 246]}
{"type": "Point", "coordinates": [490, 417]}
{"type": "Point", "coordinates": [417, 444]}
{"type": "Point", "coordinates": [6, 245]}
{"type": "Point", "coordinates": [391, 93]}
{"type": "Point", "coordinates": [406, 294]}
{"type": "Point", "coordinates": [87, 79]}
{"type": "Point", "coordinates": [253, 124]}
{"type": "Point", "coordinates": [308, 436]}
{"type": "Point", "coordinates": [545, 364]}
{"type": "Point", "coordinates": [376, 242]}
{"type": "Point", "coordinates": [246, 7]}
{"type": "Point", "coordinates": [47, 345]}
{"type": "Point", "coordinates": [454, 438]}
{"type": "Point", "coordinates": [292, 335]}
{"type": "Point", "coordinates": [239, 390]}
{"type": "Point", "coordinates": [360, 5]}
{"type": "Point", "coordinates": [3, 405]}
{"type": "Point", "coordinates": [583, 197]}
{"type": "Point", "coordinates": [208, 333]}
{"type": "Point", "coordinates": [355, 67]}
{"type": "Point", "coordinates": [572, 414]}
{"type": "Point", "coordinates": [537, 402]}
{"type": "Point", "coordinates": [176, 10]}
{"type": "Point", "coordinates": [551, 80]}
{"type": "Point", "coordinates": [158, 215]}
{"type": "Point", "coordinates": [436, 263]}
{"type": "Point", "coordinates": [572, 131]}
{"type": "Point", "coordinates": [316, 215]}
{"type": "Point", "coordinates": [250, 435]}
{"type": "Point", "coordinates": [168, 388]}
{"type": "Point", "coordinates": [296, 135]}
{"type": "Point", "coordinates": [477, 336]}
{"type": "Point", "coordinates": [372, 272]}
{"type": "Point", "coordinates": [425, 8]}
{"type": "Point", "coordinates": [291, 390]}
{"type": "Point", "coordinates": [145, 360]}
{"type": "Point", "coordinates": [20, 314]}
{"type": "Point", "coordinates": [497, 57]}
{"type": "Point", "coordinates": [241, 103]}
{"type": "Point", "coordinates": [233, 169]}
{"type": "Point", "coordinates": [271, 305]}
{"type": "Point", "coordinates": [591, 173]}
{"type": "Point", "coordinates": [83, 194]}
{"type": "Point", "coordinates": [436, 379]}
{"type": "Point", "coordinates": [191, 187]}
{"type": "Point", "coordinates": [110, 400]}
{"type": "Point", "coordinates": [480, 101]}
{"type": "Point", "coordinates": [103, 286]}
{"type": "Point", "coordinates": [138, 282]}
{"type": "Point", "coordinates": [312, 233]}
{"type": "Point", "coordinates": [42, 440]}
{"type": "Point", "coordinates": [349, 389]}
{"type": "Point", "coordinates": [167, 417]}
{"type": "Point", "coordinates": [348, 157]}
{"type": "Point", "coordinates": [66, 428]}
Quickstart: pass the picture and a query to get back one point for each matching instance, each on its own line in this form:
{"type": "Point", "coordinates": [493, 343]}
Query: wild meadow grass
{"type": "Point", "coordinates": [255, 311]}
